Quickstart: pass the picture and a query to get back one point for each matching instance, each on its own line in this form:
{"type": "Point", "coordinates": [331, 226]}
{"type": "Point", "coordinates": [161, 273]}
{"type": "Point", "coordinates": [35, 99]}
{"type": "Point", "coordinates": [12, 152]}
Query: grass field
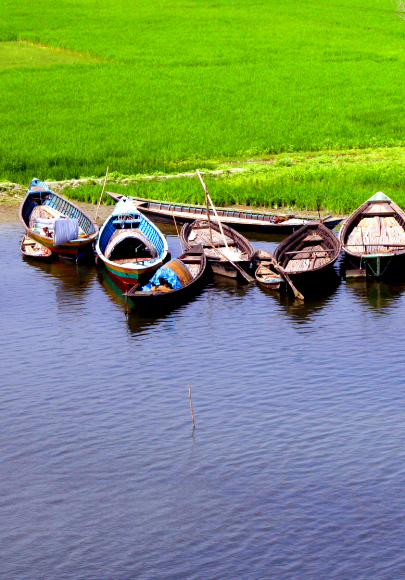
{"type": "Point", "coordinates": [338, 182]}
{"type": "Point", "coordinates": [170, 86]}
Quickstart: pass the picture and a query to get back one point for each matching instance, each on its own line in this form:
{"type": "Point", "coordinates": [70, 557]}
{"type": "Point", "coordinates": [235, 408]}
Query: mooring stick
{"type": "Point", "coordinates": [101, 196]}
{"type": "Point", "coordinates": [191, 406]}
{"type": "Point", "coordinates": [177, 230]}
{"type": "Point", "coordinates": [206, 202]}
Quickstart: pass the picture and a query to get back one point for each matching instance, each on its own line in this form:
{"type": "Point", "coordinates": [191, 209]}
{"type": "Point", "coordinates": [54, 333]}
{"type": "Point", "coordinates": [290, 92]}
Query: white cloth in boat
{"type": "Point", "coordinates": [65, 231]}
{"type": "Point", "coordinates": [120, 235]}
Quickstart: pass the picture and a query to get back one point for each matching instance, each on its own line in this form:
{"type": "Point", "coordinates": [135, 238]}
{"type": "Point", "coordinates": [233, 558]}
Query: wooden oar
{"type": "Point", "coordinates": [236, 266]}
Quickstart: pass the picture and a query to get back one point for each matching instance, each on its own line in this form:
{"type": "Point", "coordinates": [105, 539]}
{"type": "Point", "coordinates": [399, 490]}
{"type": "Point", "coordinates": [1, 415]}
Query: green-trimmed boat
{"type": "Point", "coordinates": [373, 236]}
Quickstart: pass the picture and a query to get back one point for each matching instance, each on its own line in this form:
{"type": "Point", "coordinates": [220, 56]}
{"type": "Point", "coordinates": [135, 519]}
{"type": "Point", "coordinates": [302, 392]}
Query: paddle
{"type": "Point", "coordinates": [236, 266]}
{"type": "Point", "coordinates": [278, 268]}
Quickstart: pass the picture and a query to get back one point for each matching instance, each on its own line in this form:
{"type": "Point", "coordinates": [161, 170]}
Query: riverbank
{"type": "Point", "coordinates": [333, 181]}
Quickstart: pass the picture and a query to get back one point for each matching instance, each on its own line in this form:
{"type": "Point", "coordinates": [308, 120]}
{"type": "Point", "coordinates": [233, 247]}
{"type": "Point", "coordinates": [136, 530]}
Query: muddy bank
{"type": "Point", "coordinates": [9, 209]}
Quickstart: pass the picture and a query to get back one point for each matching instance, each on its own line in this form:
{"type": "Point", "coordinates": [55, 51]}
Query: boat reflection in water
{"type": "Point", "coordinates": [317, 297]}
{"type": "Point", "coordinates": [69, 279]}
{"type": "Point", "coordinates": [377, 294]}
{"type": "Point", "coordinates": [137, 320]}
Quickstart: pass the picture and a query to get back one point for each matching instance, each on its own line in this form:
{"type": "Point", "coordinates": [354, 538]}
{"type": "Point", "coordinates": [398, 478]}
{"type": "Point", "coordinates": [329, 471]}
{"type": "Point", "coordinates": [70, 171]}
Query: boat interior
{"type": "Point", "coordinates": [130, 246]}
{"type": "Point", "coordinates": [312, 250]}
{"type": "Point", "coordinates": [378, 228]}
{"type": "Point", "coordinates": [45, 204]}
{"type": "Point", "coordinates": [201, 235]}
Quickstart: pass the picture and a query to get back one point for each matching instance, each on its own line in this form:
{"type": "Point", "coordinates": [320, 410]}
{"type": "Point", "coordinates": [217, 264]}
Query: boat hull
{"type": "Point", "coordinates": [239, 220]}
{"type": "Point", "coordinates": [139, 299]}
{"type": "Point", "coordinates": [129, 277]}
{"type": "Point", "coordinates": [376, 266]}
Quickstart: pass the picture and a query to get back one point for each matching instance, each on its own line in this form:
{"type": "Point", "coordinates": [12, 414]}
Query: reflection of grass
{"type": "Point", "coordinates": [197, 81]}
{"type": "Point", "coordinates": [16, 54]}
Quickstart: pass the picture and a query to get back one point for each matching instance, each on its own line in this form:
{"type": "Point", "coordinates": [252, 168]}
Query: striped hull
{"type": "Point", "coordinates": [71, 248]}
{"type": "Point", "coordinates": [130, 276]}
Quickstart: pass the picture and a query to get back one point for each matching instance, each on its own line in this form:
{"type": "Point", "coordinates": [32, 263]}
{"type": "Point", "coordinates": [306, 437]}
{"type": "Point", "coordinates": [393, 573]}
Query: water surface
{"type": "Point", "coordinates": [297, 467]}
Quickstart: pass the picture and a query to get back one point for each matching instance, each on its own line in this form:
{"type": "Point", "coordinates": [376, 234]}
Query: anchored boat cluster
{"type": "Point", "coordinates": [135, 252]}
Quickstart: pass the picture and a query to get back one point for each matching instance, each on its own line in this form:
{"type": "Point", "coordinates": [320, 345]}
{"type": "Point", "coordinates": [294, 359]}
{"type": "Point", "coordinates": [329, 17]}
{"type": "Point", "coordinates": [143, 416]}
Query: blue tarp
{"type": "Point", "coordinates": [167, 274]}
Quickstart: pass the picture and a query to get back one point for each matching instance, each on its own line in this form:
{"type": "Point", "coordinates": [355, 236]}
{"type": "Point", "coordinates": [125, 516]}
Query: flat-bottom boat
{"type": "Point", "coordinates": [56, 223]}
{"type": "Point", "coordinates": [241, 220]}
{"type": "Point", "coordinates": [33, 249]}
{"type": "Point", "coordinates": [220, 256]}
{"type": "Point", "coordinates": [373, 236]}
{"type": "Point", "coordinates": [130, 246]}
{"type": "Point", "coordinates": [310, 250]}
{"type": "Point", "coordinates": [176, 281]}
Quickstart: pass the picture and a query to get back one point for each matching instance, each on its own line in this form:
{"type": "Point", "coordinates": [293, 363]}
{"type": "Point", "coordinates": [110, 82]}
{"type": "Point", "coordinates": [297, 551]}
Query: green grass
{"type": "Point", "coordinates": [337, 182]}
{"type": "Point", "coordinates": [180, 84]}
{"type": "Point", "coordinates": [16, 54]}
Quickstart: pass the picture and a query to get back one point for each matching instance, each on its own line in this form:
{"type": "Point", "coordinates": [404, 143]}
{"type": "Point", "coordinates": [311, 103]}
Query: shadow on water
{"type": "Point", "coordinates": [317, 296]}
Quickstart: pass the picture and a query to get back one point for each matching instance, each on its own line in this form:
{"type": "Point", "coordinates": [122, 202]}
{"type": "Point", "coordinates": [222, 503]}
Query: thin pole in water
{"type": "Point", "coordinates": [191, 407]}
{"type": "Point", "coordinates": [206, 202]}
{"type": "Point", "coordinates": [177, 230]}
{"type": "Point", "coordinates": [101, 196]}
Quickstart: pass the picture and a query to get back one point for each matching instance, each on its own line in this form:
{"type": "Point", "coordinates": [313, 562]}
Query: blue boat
{"type": "Point", "coordinates": [130, 245]}
{"type": "Point", "coordinates": [43, 211]}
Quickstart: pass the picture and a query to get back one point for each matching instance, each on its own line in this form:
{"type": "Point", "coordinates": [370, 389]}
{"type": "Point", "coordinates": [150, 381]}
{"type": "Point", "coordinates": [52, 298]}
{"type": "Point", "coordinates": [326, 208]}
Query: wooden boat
{"type": "Point", "coordinates": [130, 246]}
{"type": "Point", "coordinates": [374, 234]}
{"type": "Point", "coordinates": [310, 249]}
{"type": "Point", "coordinates": [240, 250]}
{"type": "Point", "coordinates": [42, 206]}
{"type": "Point", "coordinates": [265, 274]}
{"type": "Point", "coordinates": [240, 220]}
{"type": "Point", "coordinates": [32, 249]}
{"type": "Point", "coordinates": [190, 269]}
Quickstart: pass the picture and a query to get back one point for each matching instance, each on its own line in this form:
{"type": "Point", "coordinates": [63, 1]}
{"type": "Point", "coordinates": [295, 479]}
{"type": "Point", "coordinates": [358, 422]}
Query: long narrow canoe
{"type": "Point", "coordinates": [374, 234]}
{"type": "Point", "coordinates": [39, 210]}
{"type": "Point", "coordinates": [309, 250]}
{"type": "Point", "coordinates": [130, 246]}
{"type": "Point", "coordinates": [241, 220]}
{"type": "Point", "coordinates": [209, 236]}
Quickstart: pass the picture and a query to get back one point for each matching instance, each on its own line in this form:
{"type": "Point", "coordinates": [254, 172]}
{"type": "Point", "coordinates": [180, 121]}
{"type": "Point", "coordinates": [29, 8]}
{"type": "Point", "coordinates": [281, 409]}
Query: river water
{"type": "Point", "coordinates": [297, 466]}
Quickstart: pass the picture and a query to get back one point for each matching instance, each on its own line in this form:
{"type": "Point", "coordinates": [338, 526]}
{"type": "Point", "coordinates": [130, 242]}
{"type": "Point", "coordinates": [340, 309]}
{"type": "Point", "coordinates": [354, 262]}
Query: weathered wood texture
{"type": "Point", "coordinates": [311, 248]}
{"type": "Point", "coordinates": [375, 227]}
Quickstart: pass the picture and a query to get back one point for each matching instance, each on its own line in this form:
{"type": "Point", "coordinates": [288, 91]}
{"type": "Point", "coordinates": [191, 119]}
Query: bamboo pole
{"type": "Point", "coordinates": [206, 202]}
{"type": "Point", "coordinates": [177, 230]}
{"type": "Point", "coordinates": [191, 406]}
{"type": "Point", "coordinates": [101, 196]}
{"type": "Point", "coordinates": [219, 221]}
